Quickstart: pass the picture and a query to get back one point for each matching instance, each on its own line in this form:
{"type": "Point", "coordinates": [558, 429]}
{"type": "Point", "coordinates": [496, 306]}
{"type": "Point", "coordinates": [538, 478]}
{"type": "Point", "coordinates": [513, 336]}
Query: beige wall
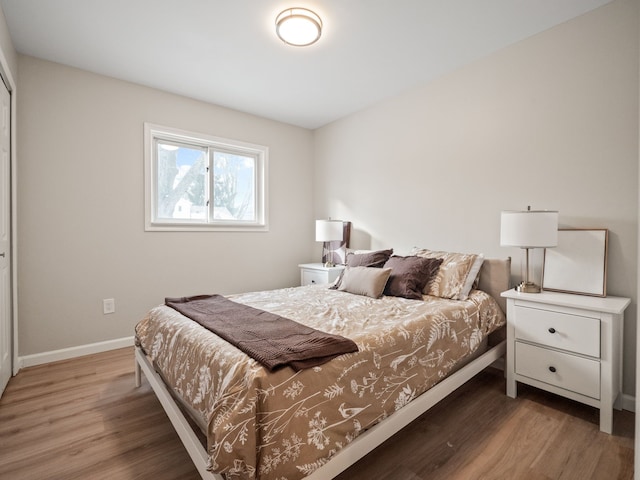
{"type": "Point", "coordinates": [81, 214]}
{"type": "Point", "coordinates": [550, 122]}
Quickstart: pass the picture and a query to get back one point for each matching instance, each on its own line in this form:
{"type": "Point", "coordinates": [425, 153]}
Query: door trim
{"type": "Point", "coordinates": [10, 83]}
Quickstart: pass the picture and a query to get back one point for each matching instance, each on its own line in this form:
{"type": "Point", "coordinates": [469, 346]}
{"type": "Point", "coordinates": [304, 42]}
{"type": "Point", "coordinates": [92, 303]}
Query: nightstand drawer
{"type": "Point", "coordinates": [318, 274]}
{"type": "Point", "coordinates": [570, 372]}
{"type": "Point", "coordinates": [312, 277]}
{"type": "Point", "coordinates": [573, 333]}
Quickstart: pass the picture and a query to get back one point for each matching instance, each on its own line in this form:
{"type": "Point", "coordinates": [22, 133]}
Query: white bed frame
{"type": "Point", "coordinates": [349, 455]}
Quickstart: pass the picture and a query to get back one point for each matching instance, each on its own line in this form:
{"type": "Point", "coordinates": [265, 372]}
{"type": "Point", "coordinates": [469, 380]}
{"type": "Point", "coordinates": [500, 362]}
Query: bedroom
{"type": "Point", "coordinates": [551, 121]}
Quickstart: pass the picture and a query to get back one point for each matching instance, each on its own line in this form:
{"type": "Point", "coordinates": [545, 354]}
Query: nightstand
{"type": "Point", "coordinates": [570, 345]}
{"type": "Point", "coordinates": [318, 274]}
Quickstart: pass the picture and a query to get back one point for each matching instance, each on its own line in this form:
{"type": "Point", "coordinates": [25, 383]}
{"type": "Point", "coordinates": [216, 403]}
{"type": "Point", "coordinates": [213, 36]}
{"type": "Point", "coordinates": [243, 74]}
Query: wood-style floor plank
{"type": "Point", "coordinates": [83, 418]}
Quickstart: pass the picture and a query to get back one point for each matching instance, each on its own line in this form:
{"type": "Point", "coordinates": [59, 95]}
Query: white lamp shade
{"type": "Point", "coordinates": [529, 229]}
{"type": "Point", "coordinates": [328, 230]}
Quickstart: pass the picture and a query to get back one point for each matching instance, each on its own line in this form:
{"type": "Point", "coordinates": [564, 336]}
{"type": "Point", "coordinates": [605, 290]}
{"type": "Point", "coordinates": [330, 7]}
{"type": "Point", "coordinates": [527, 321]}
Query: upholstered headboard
{"type": "Point", "coordinates": [495, 277]}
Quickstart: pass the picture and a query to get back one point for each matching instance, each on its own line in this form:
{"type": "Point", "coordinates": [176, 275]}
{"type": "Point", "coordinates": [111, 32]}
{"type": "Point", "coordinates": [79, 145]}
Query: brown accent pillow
{"type": "Point", "coordinates": [375, 259]}
{"type": "Point", "coordinates": [372, 259]}
{"type": "Point", "coordinates": [410, 275]}
{"type": "Point", "coordinates": [369, 281]}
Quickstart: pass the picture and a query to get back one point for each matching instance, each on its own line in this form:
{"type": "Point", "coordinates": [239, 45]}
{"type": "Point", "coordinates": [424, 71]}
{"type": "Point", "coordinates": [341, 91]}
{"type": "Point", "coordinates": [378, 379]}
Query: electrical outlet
{"type": "Point", "coordinates": [108, 305]}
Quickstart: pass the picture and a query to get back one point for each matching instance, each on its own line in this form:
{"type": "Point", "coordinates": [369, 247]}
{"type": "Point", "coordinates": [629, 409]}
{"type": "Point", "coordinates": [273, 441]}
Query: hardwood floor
{"type": "Point", "coordinates": [84, 419]}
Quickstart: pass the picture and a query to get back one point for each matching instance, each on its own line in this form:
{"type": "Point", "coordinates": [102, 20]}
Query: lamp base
{"type": "Point", "coordinates": [329, 264]}
{"type": "Point", "coordinates": [528, 287]}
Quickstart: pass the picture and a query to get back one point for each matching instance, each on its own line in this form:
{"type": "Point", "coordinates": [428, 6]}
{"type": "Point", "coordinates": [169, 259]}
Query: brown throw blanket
{"type": "Point", "coordinates": [272, 340]}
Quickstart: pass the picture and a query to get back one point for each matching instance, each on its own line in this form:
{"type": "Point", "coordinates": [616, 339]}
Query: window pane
{"type": "Point", "coordinates": [181, 182]}
{"type": "Point", "coordinates": [234, 187]}
{"type": "Point", "coordinates": [198, 182]}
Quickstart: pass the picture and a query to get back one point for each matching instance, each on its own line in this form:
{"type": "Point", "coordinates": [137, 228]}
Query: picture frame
{"type": "Point", "coordinates": [579, 263]}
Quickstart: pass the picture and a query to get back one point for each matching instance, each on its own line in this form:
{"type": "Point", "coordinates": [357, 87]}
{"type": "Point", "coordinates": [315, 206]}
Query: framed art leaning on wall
{"type": "Point", "coordinates": [579, 263]}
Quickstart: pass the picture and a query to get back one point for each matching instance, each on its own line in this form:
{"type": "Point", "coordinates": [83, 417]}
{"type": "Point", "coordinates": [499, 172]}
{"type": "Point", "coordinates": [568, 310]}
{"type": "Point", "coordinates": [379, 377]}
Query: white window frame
{"type": "Point", "coordinates": [152, 133]}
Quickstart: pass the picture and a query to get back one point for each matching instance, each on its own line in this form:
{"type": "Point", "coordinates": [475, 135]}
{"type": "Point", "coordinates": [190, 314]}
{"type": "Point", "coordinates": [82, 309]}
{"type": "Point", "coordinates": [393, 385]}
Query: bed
{"type": "Point", "coordinates": [316, 422]}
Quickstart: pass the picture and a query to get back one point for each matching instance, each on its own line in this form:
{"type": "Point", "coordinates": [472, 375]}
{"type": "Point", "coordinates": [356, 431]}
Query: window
{"type": "Point", "coordinates": [198, 182]}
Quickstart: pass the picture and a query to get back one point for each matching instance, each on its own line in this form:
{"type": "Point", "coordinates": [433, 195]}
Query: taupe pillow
{"type": "Point", "coordinates": [370, 259]}
{"type": "Point", "coordinates": [410, 275]}
{"type": "Point", "coordinates": [369, 281]}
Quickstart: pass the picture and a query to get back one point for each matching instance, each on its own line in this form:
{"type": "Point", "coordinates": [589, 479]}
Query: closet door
{"type": "Point", "coordinates": [6, 354]}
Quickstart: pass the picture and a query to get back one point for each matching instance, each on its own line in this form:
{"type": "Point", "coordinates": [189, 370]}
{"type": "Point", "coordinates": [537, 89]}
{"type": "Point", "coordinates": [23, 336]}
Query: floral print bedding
{"type": "Point", "coordinates": [284, 425]}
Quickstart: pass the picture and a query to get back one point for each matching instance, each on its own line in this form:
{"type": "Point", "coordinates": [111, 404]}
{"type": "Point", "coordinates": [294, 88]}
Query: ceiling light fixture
{"type": "Point", "coordinates": [298, 27]}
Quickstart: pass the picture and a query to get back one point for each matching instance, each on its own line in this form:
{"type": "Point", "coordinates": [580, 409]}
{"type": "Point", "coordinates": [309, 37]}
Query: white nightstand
{"type": "Point", "coordinates": [318, 274]}
{"type": "Point", "coordinates": [567, 344]}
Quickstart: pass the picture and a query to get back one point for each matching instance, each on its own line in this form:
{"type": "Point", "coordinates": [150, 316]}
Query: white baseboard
{"type": "Point", "coordinates": [628, 402]}
{"type": "Point", "coordinates": [73, 352]}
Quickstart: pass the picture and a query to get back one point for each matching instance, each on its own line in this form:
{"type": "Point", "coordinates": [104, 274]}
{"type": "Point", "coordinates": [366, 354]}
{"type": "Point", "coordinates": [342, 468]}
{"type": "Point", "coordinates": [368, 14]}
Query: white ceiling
{"type": "Point", "coordinates": [226, 51]}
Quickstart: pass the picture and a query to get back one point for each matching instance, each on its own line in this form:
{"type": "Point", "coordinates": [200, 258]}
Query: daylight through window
{"type": "Point", "coordinates": [199, 182]}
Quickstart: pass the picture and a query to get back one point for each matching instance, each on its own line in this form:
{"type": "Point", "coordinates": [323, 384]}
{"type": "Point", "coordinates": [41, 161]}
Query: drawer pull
{"type": "Point", "coordinates": [552, 330]}
{"type": "Point", "coordinates": [552, 369]}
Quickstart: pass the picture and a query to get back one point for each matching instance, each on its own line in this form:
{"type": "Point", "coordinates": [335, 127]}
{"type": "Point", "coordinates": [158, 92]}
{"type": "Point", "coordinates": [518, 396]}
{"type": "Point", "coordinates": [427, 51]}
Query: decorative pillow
{"type": "Point", "coordinates": [371, 259]}
{"type": "Point", "coordinates": [472, 278]}
{"type": "Point", "coordinates": [410, 275]}
{"type": "Point", "coordinates": [455, 276]}
{"type": "Point", "coordinates": [369, 281]}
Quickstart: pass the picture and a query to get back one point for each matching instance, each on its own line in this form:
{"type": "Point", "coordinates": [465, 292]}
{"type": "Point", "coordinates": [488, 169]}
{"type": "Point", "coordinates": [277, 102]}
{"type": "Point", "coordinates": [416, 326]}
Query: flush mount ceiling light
{"type": "Point", "coordinates": [298, 27]}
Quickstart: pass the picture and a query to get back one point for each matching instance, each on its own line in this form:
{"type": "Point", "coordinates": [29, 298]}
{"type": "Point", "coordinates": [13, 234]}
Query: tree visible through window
{"type": "Point", "coordinates": [233, 192]}
{"type": "Point", "coordinates": [200, 182]}
{"type": "Point", "coordinates": [181, 181]}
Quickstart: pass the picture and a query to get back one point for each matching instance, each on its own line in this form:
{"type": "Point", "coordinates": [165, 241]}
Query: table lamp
{"type": "Point", "coordinates": [328, 231]}
{"type": "Point", "coordinates": [529, 229]}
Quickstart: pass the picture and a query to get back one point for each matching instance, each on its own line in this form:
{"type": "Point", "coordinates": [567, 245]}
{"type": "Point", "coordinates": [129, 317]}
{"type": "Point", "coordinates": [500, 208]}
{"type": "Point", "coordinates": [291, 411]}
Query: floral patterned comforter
{"type": "Point", "coordinates": [283, 425]}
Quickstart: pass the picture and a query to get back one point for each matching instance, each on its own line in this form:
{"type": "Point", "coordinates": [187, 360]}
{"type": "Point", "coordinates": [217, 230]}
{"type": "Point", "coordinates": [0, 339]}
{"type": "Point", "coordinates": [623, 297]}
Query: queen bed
{"type": "Point", "coordinates": [241, 420]}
